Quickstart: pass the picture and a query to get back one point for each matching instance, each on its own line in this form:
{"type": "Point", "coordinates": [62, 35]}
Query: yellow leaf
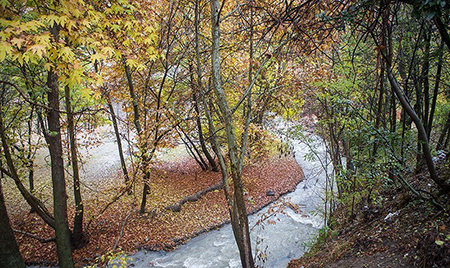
{"type": "Point", "coordinates": [39, 50]}
{"type": "Point", "coordinates": [108, 51]}
{"type": "Point", "coordinates": [48, 66]}
{"type": "Point", "coordinates": [17, 42]}
{"type": "Point", "coordinates": [5, 22]}
{"type": "Point", "coordinates": [66, 54]}
{"type": "Point", "coordinates": [51, 20]}
{"type": "Point", "coordinates": [98, 57]}
{"type": "Point", "coordinates": [5, 50]}
{"type": "Point", "coordinates": [43, 39]}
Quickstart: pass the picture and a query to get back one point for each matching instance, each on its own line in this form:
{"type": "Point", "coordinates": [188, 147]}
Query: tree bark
{"type": "Point", "coordinates": [63, 243]}
{"type": "Point", "coordinates": [201, 138]}
{"type": "Point", "coordinates": [35, 204]}
{"type": "Point", "coordinates": [442, 31]}
{"type": "Point", "coordinates": [436, 89]}
{"type": "Point", "coordinates": [426, 83]}
{"type": "Point", "coordinates": [242, 234]}
{"type": "Point", "coordinates": [119, 147]}
{"type": "Point", "coordinates": [440, 144]}
{"type": "Point", "coordinates": [211, 161]}
{"type": "Point", "coordinates": [423, 138]}
{"type": "Point", "coordinates": [145, 159]}
{"type": "Point", "coordinates": [9, 250]}
{"type": "Point", "coordinates": [77, 235]}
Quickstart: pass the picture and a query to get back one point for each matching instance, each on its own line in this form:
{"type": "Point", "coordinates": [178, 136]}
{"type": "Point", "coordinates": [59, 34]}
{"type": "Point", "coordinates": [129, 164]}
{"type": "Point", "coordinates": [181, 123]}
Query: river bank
{"type": "Point", "coordinates": [158, 229]}
{"type": "Point", "coordinates": [400, 230]}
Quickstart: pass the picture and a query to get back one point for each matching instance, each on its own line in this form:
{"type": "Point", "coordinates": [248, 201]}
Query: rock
{"type": "Point", "coordinates": [175, 208]}
{"type": "Point", "coordinates": [389, 217]}
{"type": "Point", "coordinates": [270, 193]}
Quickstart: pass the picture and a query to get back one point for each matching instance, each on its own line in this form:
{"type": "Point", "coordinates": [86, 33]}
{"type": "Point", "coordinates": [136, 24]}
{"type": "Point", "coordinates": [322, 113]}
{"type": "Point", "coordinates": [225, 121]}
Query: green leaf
{"type": "Point", "coordinates": [439, 242]}
{"type": "Point", "coordinates": [4, 3]}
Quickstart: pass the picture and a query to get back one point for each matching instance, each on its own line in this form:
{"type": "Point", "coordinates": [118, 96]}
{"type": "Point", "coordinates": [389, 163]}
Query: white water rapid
{"type": "Point", "coordinates": [289, 238]}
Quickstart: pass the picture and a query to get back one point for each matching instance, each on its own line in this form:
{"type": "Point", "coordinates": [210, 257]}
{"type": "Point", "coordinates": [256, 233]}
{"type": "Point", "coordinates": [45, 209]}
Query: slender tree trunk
{"type": "Point", "coordinates": [190, 145]}
{"type": "Point", "coordinates": [9, 250]}
{"type": "Point", "coordinates": [201, 139]}
{"type": "Point", "coordinates": [239, 202]}
{"type": "Point", "coordinates": [63, 243]}
{"type": "Point", "coordinates": [442, 31]}
{"type": "Point", "coordinates": [418, 107]}
{"type": "Point", "coordinates": [29, 154]}
{"type": "Point", "coordinates": [145, 159]}
{"type": "Point", "coordinates": [77, 234]}
{"type": "Point", "coordinates": [447, 139]}
{"type": "Point", "coordinates": [440, 144]}
{"type": "Point", "coordinates": [436, 89]}
{"type": "Point", "coordinates": [205, 150]}
{"type": "Point", "coordinates": [35, 204]}
{"type": "Point", "coordinates": [379, 110]}
{"type": "Point", "coordinates": [119, 147]}
{"type": "Point", "coordinates": [423, 139]}
{"type": "Point", "coordinates": [426, 84]}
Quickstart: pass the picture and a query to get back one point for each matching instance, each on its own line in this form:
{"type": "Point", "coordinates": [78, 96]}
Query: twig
{"type": "Point", "coordinates": [430, 199]}
{"type": "Point", "coordinates": [40, 239]}
{"type": "Point", "coordinates": [106, 207]}
{"type": "Point", "coordinates": [123, 226]}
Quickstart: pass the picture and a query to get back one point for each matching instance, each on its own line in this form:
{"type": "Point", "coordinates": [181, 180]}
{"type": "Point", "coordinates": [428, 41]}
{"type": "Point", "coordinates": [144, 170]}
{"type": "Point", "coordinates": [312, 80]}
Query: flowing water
{"type": "Point", "coordinates": [276, 244]}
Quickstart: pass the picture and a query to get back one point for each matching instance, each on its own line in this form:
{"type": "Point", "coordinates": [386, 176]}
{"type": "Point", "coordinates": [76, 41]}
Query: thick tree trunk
{"type": "Point", "coordinates": [9, 250]}
{"type": "Point", "coordinates": [63, 235]}
{"type": "Point", "coordinates": [77, 235]}
{"type": "Point", "coordinates": [242, 233]}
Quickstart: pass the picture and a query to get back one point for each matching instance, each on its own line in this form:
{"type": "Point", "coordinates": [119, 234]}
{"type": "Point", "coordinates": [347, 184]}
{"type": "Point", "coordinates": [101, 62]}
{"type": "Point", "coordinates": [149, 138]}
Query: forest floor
{"type": "Point", "coordinates": [123, 228]}
{"type": "Point", "coordinates": [398, 231]}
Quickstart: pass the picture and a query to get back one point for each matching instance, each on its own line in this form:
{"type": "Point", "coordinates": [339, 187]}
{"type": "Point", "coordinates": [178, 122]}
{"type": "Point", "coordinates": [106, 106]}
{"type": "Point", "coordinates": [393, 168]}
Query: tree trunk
{"type": "Point", "coordinates": [192, 149]}
{"type": "Point", "coordinates": [9, 250]}
{"type": "Point", "coordinates": [119, 147]}
{"type": "Point", "coordinates": [242, 234]}
{"type": "Point", "coordinates": [201, 139]}
{"type": "Point", "coordinates": [77, 235]}
{"type": "Point", "coordinates": [30, 154]}
{"type": "Point", "coordinates": [426, 84]}
{"type": "Point", "coordinates": [63, 243]}
{"type": "Point", "coordinates": [440, 144]}
{"type": "Point", "coordinates": [421, 133]}
{"type": "Point", "coordinates": [211, 161]}
{"type": "Point", "coordinates": [145, 159]}
{"type": "Point", "coordinates": [35, 204]}
{"type": "Point", "coordinates": [436, 89]}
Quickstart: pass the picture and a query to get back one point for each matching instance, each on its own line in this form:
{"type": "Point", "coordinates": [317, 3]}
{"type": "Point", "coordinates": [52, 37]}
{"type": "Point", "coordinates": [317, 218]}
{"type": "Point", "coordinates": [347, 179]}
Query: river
{"type": "Point", "coordinates": [276, 244]}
